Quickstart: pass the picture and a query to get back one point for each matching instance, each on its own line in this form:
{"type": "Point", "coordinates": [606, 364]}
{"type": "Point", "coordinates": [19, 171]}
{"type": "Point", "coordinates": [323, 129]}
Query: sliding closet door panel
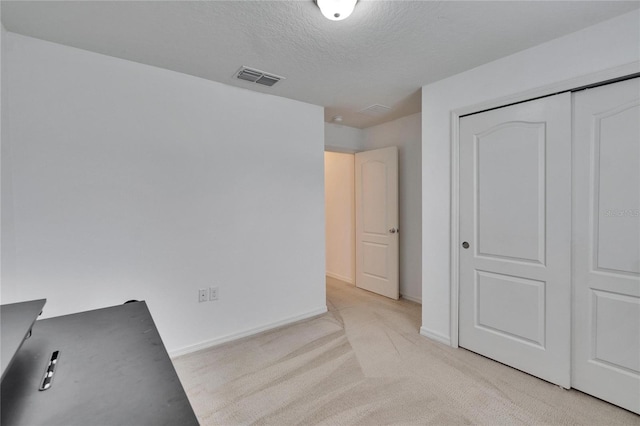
{"type": "Point", "coordinates": [515, 213]}
{"type": "Point", "coordinates": [606, 232]}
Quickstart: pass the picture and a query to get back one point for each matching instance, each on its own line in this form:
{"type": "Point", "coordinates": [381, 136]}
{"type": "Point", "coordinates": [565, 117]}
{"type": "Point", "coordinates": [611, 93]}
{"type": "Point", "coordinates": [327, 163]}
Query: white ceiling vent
{"type": "Point", "coordinates": [256, 76]}
{"type": "Point", "coordinates": [375, 110]}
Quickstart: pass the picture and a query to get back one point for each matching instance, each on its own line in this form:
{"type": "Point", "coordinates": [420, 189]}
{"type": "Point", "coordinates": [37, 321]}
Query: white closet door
{"type": "Point", "coordinates": [515, 220]}
{"type": "Point", "coordinates": [606, 232]}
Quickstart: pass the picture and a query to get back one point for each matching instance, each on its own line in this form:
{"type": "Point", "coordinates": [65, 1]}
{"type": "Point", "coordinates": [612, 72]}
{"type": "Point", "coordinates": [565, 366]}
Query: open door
{"type": "Point", "coordinates": [377, 233]}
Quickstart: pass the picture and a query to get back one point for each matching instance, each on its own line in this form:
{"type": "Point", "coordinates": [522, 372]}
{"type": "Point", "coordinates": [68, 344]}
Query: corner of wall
{"type": "Point", "coordinates": [434, 335]}
{"type": "Point", "coordinates": [339, 138]}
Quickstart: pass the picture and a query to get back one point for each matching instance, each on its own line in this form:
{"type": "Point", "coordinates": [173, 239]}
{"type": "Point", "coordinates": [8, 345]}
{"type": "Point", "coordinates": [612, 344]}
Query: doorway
{"type": "Point", "coordinates": [362, 221]}
{"type": "Point", "coordinates": [340, 232]}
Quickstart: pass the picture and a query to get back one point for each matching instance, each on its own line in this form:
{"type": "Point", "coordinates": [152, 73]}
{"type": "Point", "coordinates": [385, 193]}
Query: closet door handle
{"type": "Point", "coordinates": [465, 245]}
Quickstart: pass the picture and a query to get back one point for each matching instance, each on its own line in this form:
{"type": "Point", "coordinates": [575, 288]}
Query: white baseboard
{"type": "Point", "coordinates": [412, 299]}
{"type": "Point", "coordinates": [433, 335]}
{"type": "Point", "coordinates": [245, 333]}
{"type": "Point", "coordinates": [339, 277]}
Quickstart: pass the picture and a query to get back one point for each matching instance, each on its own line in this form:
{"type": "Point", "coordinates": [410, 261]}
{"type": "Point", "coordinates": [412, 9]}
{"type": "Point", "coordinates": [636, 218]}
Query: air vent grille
{"type": "Point", "coordinates": [267, 80]}
{"type": "Point", "coordinates": [375, 110]}
{"type": "Point", "coordinates": [257, 76]}
{"type": "Point", "coordinates": [249, 75]}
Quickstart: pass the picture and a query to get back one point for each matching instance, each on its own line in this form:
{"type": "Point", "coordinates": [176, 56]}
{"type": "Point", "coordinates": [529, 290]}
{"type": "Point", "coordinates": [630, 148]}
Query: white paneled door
{"type": "Point", "coordinates": [606, 230]}
{"type": "Point", "coordinates": [515, 236]}
{"type": "Point", "coordinates": [377, 233]}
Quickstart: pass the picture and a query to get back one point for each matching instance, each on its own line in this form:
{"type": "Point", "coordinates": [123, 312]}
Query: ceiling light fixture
{"type": "Point", "coordinates": [336, 10]}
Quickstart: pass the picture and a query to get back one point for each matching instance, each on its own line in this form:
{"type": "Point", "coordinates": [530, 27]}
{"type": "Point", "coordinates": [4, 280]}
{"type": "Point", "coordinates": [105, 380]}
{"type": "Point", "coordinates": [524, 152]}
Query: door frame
{"type": "Point", "coordinates": [455, 115]}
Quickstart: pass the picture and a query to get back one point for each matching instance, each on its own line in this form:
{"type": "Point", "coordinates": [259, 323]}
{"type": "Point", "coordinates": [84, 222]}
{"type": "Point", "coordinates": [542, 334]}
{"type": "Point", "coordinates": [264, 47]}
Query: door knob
{"type": "Point", "coordinates": [393, 230]}
{"type": "Point", "coordinates": [465, 245]}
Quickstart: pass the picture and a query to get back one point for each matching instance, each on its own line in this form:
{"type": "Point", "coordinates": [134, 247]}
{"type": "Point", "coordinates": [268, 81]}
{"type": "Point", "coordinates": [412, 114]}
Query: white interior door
{"type": "Point", "coordinates": [515, 220]}
{"type": "Point", "coordinates": [377, 233]}
{"type": "Point", "coordinates": [606, 232]}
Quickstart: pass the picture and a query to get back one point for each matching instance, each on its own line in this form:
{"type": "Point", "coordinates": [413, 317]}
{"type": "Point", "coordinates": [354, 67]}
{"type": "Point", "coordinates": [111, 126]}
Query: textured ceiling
{"type": "Point", "coordinates": [382, 54]}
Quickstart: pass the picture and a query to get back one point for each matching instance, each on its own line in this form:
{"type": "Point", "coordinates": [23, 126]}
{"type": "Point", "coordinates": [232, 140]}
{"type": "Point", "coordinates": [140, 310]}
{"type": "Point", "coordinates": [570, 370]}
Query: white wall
{"type": "Point", "coordinates": [405, 133]}
{"type": "Point", "coordinates": [2, 32]}
{"type": "Point", "coordinates": [607, 45]}
{"type": "Point", "coordinates": [339, 215]}
{"type": "Point", "coordinates": [339, 138]}
{"type": "Point", "coordinates": [133, 182]}
{"type": "Point", "coordinates": [7, 243]}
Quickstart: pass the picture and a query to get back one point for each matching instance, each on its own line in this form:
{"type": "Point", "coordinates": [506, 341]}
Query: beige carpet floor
{"type": "Point", "coordinates": [364, 363]}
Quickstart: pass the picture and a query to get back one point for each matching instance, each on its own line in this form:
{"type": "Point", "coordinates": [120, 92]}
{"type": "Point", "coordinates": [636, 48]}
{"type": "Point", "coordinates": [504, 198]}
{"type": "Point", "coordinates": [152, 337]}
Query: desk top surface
{"type": "Point", "coordinates": [16, 319]}
{"type": "Point", "coordinates": [112, 369]}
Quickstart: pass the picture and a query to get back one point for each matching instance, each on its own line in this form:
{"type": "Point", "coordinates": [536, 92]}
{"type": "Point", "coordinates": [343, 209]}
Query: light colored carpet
{"type": "Point", "coordinates": [364, 363]}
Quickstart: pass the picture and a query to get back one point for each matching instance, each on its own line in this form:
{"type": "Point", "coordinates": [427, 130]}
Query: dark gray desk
{"type": "Point", "coordinates": [16, 319]}
{"type": "Point", "coordinates": [113, 369]}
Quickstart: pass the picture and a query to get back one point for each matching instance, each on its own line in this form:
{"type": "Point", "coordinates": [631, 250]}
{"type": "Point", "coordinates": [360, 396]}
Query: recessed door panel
{"type": "Point", "coordinates": [617, 172]}
{"type": "Point", "coordinates": [374, 260]}
{"type": "Point", "coordinates": [612, 344]}
{"type": "Point", "coordinates": [374, 197]}
{"type": "Point", "coordinates": [511, 306]}
{"type": "Point", "coordinates": [515, 236]}
{"type": "Point", "coordinates": [510, 198]}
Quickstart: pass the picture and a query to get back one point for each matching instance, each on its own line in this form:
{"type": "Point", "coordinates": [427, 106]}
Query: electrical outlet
{"type": "Point", "coordinates": [213, 293]}
{"type": "Point", "coordinates": [203, 295]}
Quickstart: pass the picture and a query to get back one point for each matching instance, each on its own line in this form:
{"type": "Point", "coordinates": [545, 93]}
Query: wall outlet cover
{"type": "Point", "coordinates": [213, 293]}
{"type": "Point", "coordinates": [203, 295]}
